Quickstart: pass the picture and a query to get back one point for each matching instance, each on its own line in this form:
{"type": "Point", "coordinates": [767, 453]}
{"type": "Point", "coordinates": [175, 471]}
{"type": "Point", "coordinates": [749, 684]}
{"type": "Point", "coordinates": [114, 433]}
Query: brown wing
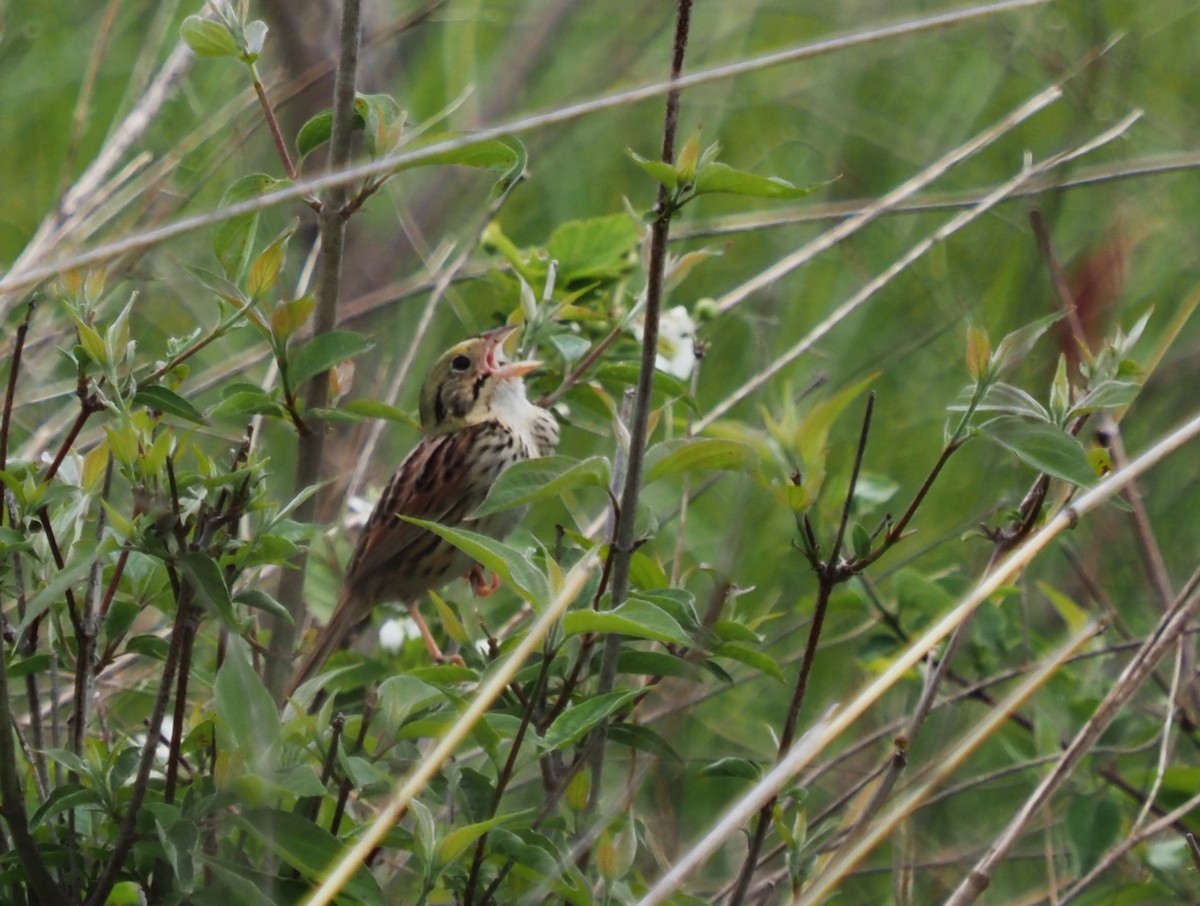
{"type": "Point", "coordinates": [440, 481]}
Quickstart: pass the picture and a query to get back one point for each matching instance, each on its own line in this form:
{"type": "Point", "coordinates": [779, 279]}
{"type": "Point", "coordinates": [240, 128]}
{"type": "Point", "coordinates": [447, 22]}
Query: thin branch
{"type": "Point", "coordinates": [829, 576]}
{"type": "Point", "coordinates": [12, 804]}
{"type": "Point", "coordinates": [639, 429]}
{"type": "Point", "coordinates": [127, 833]}
{"type": "Point", "coordinates": [311, 447]}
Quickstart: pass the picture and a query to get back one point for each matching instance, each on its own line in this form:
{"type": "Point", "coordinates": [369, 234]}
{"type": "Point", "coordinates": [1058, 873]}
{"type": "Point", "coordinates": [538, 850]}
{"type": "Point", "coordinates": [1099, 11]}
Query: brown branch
{"type": "Point", "coordinates": [311, 447]}
{"type": "Point", "coordinates": [623, 541]}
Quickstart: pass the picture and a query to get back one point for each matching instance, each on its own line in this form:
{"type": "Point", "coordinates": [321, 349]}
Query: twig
{"type": "Point", "coordinates": [12, 803]}
{"type": "Point", "coordinates": [829, 575]}
{"type": "Point", "coordinates": [127, 833]}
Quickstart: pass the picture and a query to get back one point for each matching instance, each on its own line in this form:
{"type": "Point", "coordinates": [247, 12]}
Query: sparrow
{"type": "Point", "coordinates": [476, 421]}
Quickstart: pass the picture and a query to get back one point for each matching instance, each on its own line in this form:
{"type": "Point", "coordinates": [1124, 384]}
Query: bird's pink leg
{"type": "Point", "coordinates": [431, 644]}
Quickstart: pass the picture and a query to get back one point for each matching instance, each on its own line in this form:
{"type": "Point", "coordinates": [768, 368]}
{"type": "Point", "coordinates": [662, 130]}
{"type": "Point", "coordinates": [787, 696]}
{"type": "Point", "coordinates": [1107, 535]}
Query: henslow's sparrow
{"type": "Point", "coordinates": [477, 422]}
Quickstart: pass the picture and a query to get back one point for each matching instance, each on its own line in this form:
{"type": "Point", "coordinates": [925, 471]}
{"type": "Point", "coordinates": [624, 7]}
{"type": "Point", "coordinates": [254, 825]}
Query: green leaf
{"type": "Point", "coordinates": [751, 657]}
{"type": "Point", "coordinates": [733, 631]}
{"type": "Point", "coordinates": [265, 270]}
{"type": "Point", "coordinates": [208, 38]}
{"type": "Point", "coordinates": [548, 476]}
{"type": "Point", "coordinates": [737, 768]}
{"type": "Point", "coordinates": [696, 454]}
{"type": "Point", "coordinates": [656, 169]}
{"type": "Point", "coordinates": [245, 400]}
{"type": "Point", "coordinates": [323, 352]}
{"type": "Point", "coordinates": [510, 564]}
{"type": "Point", "coordinates": [317, 131]}
{"type": "Point", "coordinates": [245, 708]}
{"type": "Point", "coordinates": [1044, 446]}
{"type": "Point", "coordinates": [239, 885]}
{"type": "Point", "coordinates": [639, 619]}
{"type": "Point", "coordinates": [455, 843]}
{"type": "Point", "coordinates": [652, 663]}
{"type": "Point", "coordinates": [635, 736]}
{"type": "Point", "coordinates": [65, 798]}
{"type": "Point", "coordinates": [210, 586]}
{"type": "Point", "coordinates": [158, 397]}
{"type": "Point", "coordinates": [1093, 824]}
{"type": "Point", "coordinates": [1005, 398]}
{"type": "Point", "coordinates": [514, 171]}
{"type": "Point", "coordinates": [233, 239]}
{"type": "Point", "coordinates": [595, 248]}
{"type": "Point", "coordinates": [1072, 614]}
{"type": "Point", "coordinates": [717, 177]}
{"type": "Point", "coordinates": [579, 719]}
{"type": "Point", "coordinates": [1015, 347]}
{"type": "Point", "coordinates": [54, 590]}
{"type": "Point", "coordinates": [307, 848]}
{"type": "Point", "coordinates": [376, 409]}
{"type": "Point", "coordinates": [399, 696]}
{"type": "Point", "coordinates": [148, 645]}
{"type": "Point", "coordinates": [860, 541]}
{"type": "Point", "coordinates": [260, 600]}
{"type": "Point", "coordinates": [1106, 395]}
{"type": "Point", "coordinates": [918, 595]}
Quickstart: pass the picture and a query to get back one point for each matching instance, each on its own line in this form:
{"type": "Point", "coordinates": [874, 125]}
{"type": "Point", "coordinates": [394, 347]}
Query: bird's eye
{"type": "Point", "coordinates": [460, 363]}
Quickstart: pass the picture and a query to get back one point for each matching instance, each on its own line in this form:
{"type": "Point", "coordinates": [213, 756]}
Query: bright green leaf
{"type": "Point", "coordinates": [510, 564]}
{"type": "Point", "coordinates": [208, 38]}
{"type": "Point", "coordinates": [455, 843]}
{"type": "Point", "coordinates": [307, 848]}
{"type": "Point", "coordinates": [595, 248]}
{"type": "Point", "coordinates": [656, 169]}
{"type": "Point", "coordinates": [1015, 347]}
{"type": "Point", "coordinates": [376, 409]}
{"type": "Point", "coordinates": [580, 719]}
{"type": "Point", "coordinates": [233, 239]}
{"type": "Point", "coordinates": [65, 798]}
{"type": "Point", "coordinates": [698, 454]}
{"type": "Point", "coordinates": [1044, 446]}
{"type": "Point", "coordinates": [1072, 614]}
{"type": "Point", "coordinates": [547, 476]}
{"type": "Point", "coordinates": [718, 177]}
{"type": "Point", "coordinates": [159, 398]}
{"type": "Point", "coordinates": [245, 708]}
{"type": "Point", "coordinates": [260, 600]}
{"type": "Point", "coordinates": [210, 587]}
{"type": "Point", "coordinates": [751, 657]}
{"type": "Point", "coordinates": [324, 351]}
{"type": "Point", "coordinates": [639, 619]}
{"type": "Point", "coordinates": [737, 768]}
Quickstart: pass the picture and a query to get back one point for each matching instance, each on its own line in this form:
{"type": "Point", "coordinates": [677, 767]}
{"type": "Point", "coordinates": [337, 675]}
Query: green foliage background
{"type": "Point", "coordinates": [855, 123]}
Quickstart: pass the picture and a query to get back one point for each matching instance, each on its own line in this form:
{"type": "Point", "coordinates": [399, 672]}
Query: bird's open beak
{"type": "Point", "coordinates": [499, 368]}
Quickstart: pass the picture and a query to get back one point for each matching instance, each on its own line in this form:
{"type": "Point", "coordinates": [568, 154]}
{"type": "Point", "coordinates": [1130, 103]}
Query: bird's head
{"type": "Point", "coordinates": [462, 386]}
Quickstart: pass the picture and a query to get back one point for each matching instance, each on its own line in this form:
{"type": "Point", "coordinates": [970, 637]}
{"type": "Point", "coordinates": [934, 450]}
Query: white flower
{"type": "Point", "coordinates": [676, 341]}
{"type": "Point", "coordinates": [396, 631]}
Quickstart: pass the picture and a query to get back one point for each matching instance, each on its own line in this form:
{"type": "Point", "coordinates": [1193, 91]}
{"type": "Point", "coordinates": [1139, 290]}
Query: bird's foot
{"type": "Point", "coordinates": [483, 584]}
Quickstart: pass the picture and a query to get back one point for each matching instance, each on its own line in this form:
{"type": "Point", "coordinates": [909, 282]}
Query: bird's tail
{"type": "Point", "coordinates": [348, 613]}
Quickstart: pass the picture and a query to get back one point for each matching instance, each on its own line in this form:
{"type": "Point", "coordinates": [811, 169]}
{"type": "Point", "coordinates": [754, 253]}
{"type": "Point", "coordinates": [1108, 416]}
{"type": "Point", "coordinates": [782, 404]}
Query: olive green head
{"type": "Point", "coordinates": [461, 387]}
